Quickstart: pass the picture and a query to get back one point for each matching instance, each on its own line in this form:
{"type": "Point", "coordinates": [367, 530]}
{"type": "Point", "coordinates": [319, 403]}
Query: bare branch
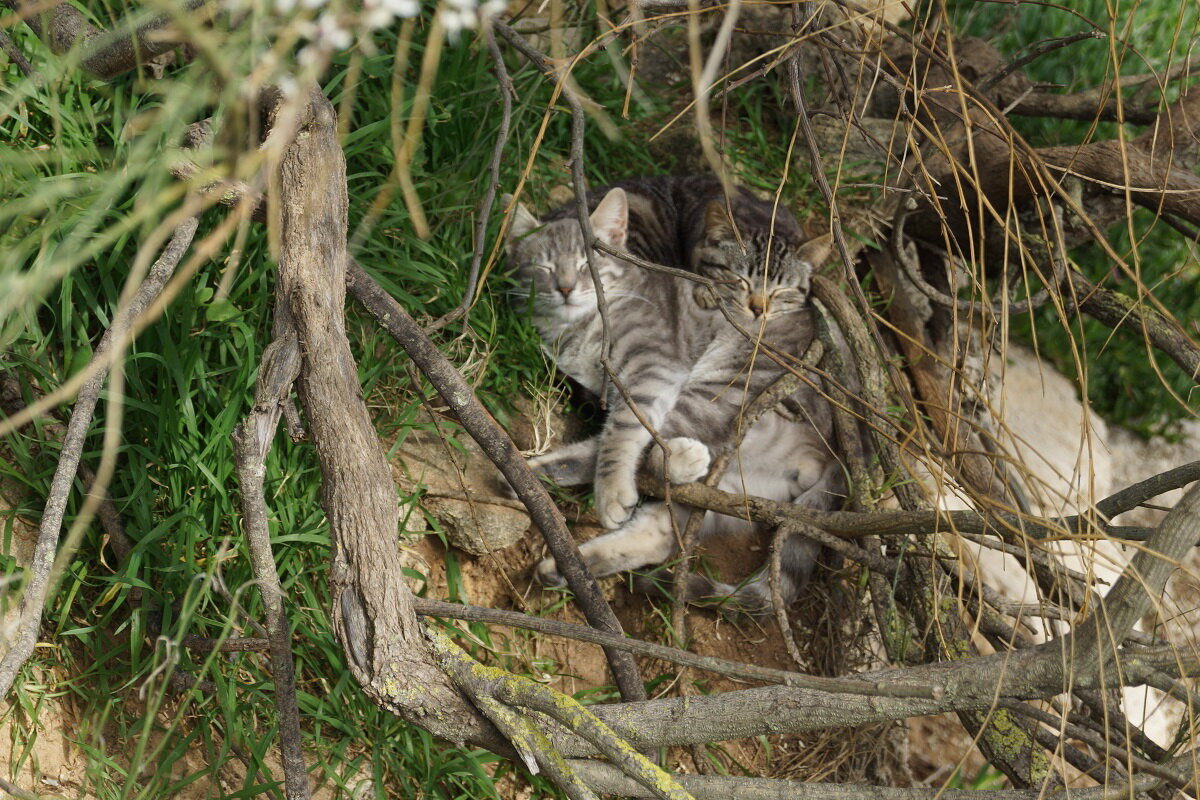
{"type": "Point", "coordinates": [1041, 49]}
{"type": "Point", "coordinates": [103, 54]}
{"type": "Point", "coordinates": [1141, 582]}
{"type": "Point", "coordinates": [14, 53]}
{"type": "Point", "coordinates": [573, 569]}
{"type": "Point", "coordinates": [252, 439]}
{"type": "Point", "coordinates": [372, 610]}
{"type": "Point", "coordinates": [1119, 311]}
{"type": "Point", "coordinates": [483, 212]}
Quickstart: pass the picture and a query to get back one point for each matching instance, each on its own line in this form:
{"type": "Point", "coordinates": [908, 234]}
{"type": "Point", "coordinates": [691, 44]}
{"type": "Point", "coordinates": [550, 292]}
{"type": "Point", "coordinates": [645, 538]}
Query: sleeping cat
{"type": "Point", "coordinates": [649, 217]}
{"type": "Point", "coordinates": [688, 370]}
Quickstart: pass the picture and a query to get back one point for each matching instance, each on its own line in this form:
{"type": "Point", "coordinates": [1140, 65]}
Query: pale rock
{"type": "Point", "coordinates": [456, 478]}
{"type": "Point", "coordinates": [478, 527]}
{"type": "Point", "coordinates": [1074, 459]}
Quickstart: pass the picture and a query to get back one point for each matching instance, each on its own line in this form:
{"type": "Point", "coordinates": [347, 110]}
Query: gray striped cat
{"type": "Point", "coordinates": [688, 371]}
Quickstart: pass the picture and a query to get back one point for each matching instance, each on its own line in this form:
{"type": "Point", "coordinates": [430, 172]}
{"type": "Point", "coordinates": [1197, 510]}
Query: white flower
{"type": "Point", "coordinates": [402, 8]}
{"type": "Point", "coordinates": [380, 13]}
{"type": "Point", "coordinates": [308, 55]}
{"type": "Point", "coordinates": [284, 6]}
{"type": "Point", "coordinates": [312, 3]}
{"type": "Point", "coordinates": [457, 15]}
{"type": "Point", "coordinates": [330, 34]}
{"type": "Point", "coordinates": [373, 18]}
{"type": "Point", "coordinates": [491, 8]}
{"type": "Point", "coordinates": [287, 86]}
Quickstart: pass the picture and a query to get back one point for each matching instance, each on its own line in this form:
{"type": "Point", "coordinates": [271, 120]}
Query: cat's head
{"type": "Point", "coordinates": [550, 260]}
{"type": "Point", "coordinates": [756, 272]}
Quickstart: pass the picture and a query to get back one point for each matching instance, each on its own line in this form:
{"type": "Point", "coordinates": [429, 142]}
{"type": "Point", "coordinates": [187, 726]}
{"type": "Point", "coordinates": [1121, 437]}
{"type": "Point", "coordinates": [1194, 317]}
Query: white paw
{"type": "Point", "coordinates": [547, 573]}
{"type": "Point", "coordinates": [615, 500]}
{"type": "Point", "coordinates": [689, 459]}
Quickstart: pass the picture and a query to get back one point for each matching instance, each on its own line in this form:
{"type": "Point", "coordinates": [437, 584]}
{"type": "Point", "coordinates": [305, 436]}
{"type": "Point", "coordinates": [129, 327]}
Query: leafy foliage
{"type": "Point", "coordinates": [1124, 379]}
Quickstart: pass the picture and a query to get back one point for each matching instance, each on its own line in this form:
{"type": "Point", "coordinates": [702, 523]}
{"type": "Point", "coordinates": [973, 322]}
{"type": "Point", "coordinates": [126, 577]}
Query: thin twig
{"type": "Point", "coordinates": [1042, 48]}
{"type": "Point", "coordinates": [251, 438]}
{"type": "Point", "coordinates": [1099, 743]}
{"type": "Point", "coordinates": [12, 403]}
{"type": "Point", "coordinates": [625, 255]}
{"type": "Point", "coordinates": [855, 525]}
{"type": "Point", "coordinates": [770, 397]}
{"type": "Point", "coordinates": [775, 582]}
{"type": "Point", "coordinates": [1110, 721]}
{"type": "Point", "coordinates": [483, 213]}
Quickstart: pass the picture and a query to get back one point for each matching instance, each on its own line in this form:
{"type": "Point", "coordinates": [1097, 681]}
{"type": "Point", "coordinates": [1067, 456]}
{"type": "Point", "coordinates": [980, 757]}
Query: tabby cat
{"type": "Point", "coordinates": [688, 371]}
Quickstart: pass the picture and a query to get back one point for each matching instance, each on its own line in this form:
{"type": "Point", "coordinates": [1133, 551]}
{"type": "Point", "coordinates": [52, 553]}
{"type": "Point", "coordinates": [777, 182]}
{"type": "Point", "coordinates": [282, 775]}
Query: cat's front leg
{"type": "Point", "coordinates": [571, 465]}
{"type": "Point", "coordinates": [616, 471]}
{"type": "Point", "coordinates": [616, 490]}
{"type": "Point", "coordinates": [645, 540]}
{"type": "Point", "coordinates": [653, 387]}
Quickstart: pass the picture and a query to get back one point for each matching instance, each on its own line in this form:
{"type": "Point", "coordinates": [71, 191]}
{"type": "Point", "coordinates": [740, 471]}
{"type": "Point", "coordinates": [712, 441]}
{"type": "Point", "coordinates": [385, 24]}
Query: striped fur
{"type": "Point", "coordinates": [687, 370]}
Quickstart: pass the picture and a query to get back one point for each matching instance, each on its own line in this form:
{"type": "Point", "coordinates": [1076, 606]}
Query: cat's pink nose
{"type": "Point", "coordinates": [566, 291]}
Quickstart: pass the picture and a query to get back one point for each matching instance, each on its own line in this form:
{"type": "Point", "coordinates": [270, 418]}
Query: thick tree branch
{"type": "Point", "coordinates": [372, 607]}
{"type": "Point", "coordinates": [610, 780]}
{"type": "Point", "coordinates": [1140, 586]}
{"type": "Point", "coordinates": [105, 55]}
{"type": "Point", "coordinates": [971, 684]}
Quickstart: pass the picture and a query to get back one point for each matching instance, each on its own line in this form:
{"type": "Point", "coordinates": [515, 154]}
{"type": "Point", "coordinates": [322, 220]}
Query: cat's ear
{"type": "Point", "coordinates": [717, 224]}
{"type": "Point", "coordinates": [610, 220]}
{"type": "Point", "coordinates": [523, 221]}
{"type": "Point", "coordinates": [816, 252]}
